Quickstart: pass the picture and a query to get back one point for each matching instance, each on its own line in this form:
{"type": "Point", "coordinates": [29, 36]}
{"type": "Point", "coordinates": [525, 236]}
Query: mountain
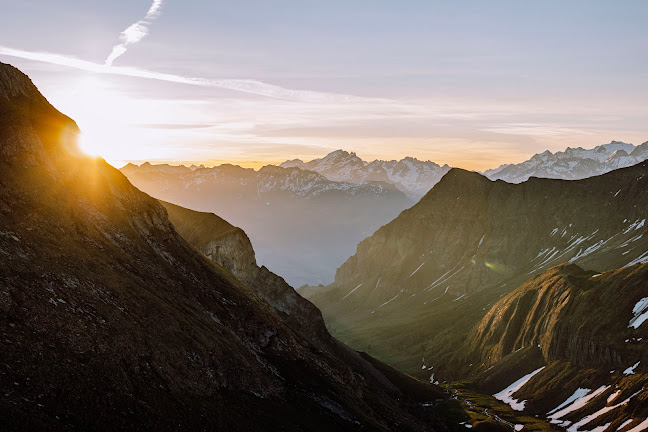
{"type": "Point", "coordinates": [572, 341]}
{"type": "Point", "coordinates": [110, 320]}
{"type": "Point", "coordinates": [573, 163]}
{"type": "Point", "coordinates": [410, 175]}
{"type": "Point", "coordinates": [416, 287]}
{"type": "Point", "coordinates": [231, 248]}
{"type": "Point", "coordinates": [303, 225]}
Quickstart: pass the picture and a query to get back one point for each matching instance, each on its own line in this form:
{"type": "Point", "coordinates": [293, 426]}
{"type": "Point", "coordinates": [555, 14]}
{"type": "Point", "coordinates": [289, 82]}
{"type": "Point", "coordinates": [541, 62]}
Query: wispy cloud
{"type": "Point", "coordinates": [241, 85]}
{"type": "Point", "coordinates": [534, 129]}
{"type": "Point", "coordinates": [135, 32]}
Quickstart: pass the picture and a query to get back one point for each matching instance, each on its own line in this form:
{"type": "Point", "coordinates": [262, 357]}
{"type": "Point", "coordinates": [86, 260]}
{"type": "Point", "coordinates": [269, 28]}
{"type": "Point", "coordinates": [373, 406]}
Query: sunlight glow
{"type": "Point", "coordinates": [108, 117]}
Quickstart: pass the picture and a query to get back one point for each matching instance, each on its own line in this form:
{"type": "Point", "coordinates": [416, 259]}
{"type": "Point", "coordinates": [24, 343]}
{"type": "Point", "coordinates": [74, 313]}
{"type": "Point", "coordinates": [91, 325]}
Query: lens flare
{"type": "Point", "coordinates": [496, 267]}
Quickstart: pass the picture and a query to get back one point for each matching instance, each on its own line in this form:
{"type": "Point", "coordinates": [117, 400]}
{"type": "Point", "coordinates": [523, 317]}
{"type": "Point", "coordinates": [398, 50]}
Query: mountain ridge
{"type": "Point", "coordinates": [468, 241]}
{"type": "Point", "coordinates": [410, 175]}
{"type": "Point", "coordinates": [573, 163]}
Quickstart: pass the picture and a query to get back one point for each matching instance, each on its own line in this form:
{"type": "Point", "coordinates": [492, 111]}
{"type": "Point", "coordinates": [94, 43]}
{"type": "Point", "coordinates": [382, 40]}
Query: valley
{"type": "Point", "coordinates": [302, 224]}
{"type": "Point", "coordinates": [339, 216]}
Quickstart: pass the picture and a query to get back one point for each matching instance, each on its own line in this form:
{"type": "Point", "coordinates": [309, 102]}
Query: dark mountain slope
{"type": "Point", "coordinates": [418, 285]}
{"type": "Point", "coordinates": [110, 320]}
{"type": "Point", "coordinates": [588, 332]}
{"type": "Point", "coordinates": [230, 247]}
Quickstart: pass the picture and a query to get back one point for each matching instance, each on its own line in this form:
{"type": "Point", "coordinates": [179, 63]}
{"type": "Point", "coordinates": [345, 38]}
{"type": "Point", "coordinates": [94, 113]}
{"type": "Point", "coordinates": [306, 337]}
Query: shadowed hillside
{"type": "Point", "coordinates": [416, 287]}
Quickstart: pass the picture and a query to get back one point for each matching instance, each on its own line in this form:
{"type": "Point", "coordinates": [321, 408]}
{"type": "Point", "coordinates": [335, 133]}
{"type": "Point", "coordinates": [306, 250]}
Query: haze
{"type": "Point", "coordinates": [255, 82]}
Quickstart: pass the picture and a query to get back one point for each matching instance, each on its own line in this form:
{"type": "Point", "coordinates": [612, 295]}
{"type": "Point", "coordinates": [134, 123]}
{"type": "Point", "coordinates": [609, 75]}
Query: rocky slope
{"type": "Point", "coordinates": [230, 247]}
{"type": "Point", "coordinates": [303, 225]}
{"type": "Point", "coordinates": [573, 163]}
{"type": "Point", "coordinates": [415, 288]}
{"type": "Point", "coordinates": [110, 320]}
{"type": "Point", "coordinates": [410, 175]}
{"type": "Point", "coordinates": [584, 335]}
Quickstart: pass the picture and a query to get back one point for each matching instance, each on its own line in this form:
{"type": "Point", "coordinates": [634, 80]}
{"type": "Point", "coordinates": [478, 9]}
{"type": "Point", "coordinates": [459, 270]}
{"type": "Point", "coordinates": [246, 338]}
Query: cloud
{"type": "Point", "coordinates": [173, 126]}
{"type": "Point", "coordinates": [135, 32]}
{"type": "Point", "coordinates": [241, 85]}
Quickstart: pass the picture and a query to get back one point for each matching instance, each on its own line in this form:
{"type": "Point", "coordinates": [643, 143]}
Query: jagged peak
{"type": "Point", "coordinates": [617, 154]}
{"type": "Point", "coordinates": [340, 154]}
{"type": "Point", "coordinates": [14, 83]}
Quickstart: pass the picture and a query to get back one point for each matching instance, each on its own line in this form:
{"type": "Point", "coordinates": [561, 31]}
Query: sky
{"type": "Point", "coordinates": [472, 84]}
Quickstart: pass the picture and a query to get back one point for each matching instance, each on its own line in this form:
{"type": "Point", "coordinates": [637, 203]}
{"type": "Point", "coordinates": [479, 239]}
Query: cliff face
{"type": "Point", "coordinates": [110, 320]}
{"type": "Point", "coordinates": [230, 247]}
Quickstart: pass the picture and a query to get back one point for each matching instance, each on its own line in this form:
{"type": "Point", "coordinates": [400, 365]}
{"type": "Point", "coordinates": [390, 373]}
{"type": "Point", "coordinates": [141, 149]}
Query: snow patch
{"type": "Point", "coordinates": [597, 414]}
{"type": "Point", "coordinates": [624, 424]}
{"type": "Point", "coordinates": [417, 269]}
{"type": "Point", "coordinates": [641, 426]}
{"type": "Point", "coordinates": [351, 291]}
{"type": "Point", "coordinates": [578, 400]}
{"type": "Point", "coordinates": [631, 369]}
{"type": "Point", "coordinates": [640, 312]}
{"type": "Point", "coordinates": [506, 394]}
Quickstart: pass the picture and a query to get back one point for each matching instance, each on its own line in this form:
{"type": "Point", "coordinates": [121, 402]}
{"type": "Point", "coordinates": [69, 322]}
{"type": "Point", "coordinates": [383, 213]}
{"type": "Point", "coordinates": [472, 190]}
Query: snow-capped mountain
{"type": "Point", "coordinates": [269, 179]}
{"type": "Point", "coordinates": [410, 175]}
{"type": "Point", "coordinates": [302, 224]}
{"type": "Point", "coordinates": [573, 163]}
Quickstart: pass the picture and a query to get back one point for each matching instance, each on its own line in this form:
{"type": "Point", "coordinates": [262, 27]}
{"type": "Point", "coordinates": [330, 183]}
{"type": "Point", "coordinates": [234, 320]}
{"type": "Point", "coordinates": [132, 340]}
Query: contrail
{"type": "Point", "coordinates": [135, 32]}
{"type": "Point", "coordinates": [240, 85]}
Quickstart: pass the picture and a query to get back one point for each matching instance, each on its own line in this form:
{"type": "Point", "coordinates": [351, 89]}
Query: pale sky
{"type": "Point", "coordinates": [472, 84]}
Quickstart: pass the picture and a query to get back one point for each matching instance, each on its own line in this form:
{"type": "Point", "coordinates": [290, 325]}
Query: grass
{"type": "Point", "coordinates": [485, 412]}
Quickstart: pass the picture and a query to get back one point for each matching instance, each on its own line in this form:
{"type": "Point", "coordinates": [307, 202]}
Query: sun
{"type": "Point", "coordinates": [113, 122]}
{"type": "Point", "coordinates": [105, 116]}
{"type": "Point", "coordinates": [88, 145]}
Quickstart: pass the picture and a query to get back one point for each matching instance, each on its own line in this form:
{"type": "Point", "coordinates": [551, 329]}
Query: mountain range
{"type": "Point", "coordinates": [573, 163]}
{"type": "Point", "coordinates": [415, 178]}
{"type": "Point", "coordinates": [302, 224]}
{"type": "Point", "coordinates": [366, 195]}
{"type": "Point", "coordinates": [111, 320]}
{"type": "Point", "coordinates": [410, 175]}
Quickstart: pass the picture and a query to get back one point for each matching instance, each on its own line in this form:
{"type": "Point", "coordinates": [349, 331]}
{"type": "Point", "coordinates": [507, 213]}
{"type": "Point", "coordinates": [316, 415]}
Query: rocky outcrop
{"type": "Point", "coordinates": [572, 315]}
{"type": "Point", "coordinates": [230, 247]}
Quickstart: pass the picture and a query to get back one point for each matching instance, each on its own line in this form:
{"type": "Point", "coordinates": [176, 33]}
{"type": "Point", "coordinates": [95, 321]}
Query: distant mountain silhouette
{"type": "Point", "coordinates": [303, 225]}
{"type": "Point", "coordinates": [573, 163]}
{"type": "Point", "coordinates": [410, 175]}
